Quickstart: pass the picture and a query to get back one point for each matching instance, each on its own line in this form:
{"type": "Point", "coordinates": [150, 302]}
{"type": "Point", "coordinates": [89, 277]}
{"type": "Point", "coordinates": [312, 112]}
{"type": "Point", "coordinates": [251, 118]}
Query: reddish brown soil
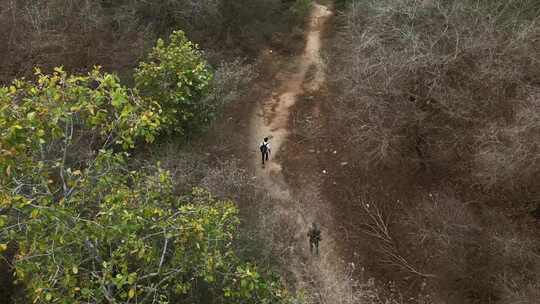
{"type": "Point", "coordinates": [313, 153]}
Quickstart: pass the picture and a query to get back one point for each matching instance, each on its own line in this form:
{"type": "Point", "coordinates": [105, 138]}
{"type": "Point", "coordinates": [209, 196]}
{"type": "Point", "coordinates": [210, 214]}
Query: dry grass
{"type": "Point", "coordinates": [507, 154]}
{"type": "Point", "coordinates": [424, 81]}
{"type": "Point", "coordinates": [79, 34]}
{"type": "Point", "coordinates": [438, 106]}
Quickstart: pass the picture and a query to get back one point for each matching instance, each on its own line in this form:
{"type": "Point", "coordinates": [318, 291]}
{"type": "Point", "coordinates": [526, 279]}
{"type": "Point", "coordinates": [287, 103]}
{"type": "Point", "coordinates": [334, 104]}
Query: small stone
{"type": "Point", "coordinates": [344, 163]}
{"type": "Point", "coordinates": [335, 152]}
{"type": "Point", "coordinates": [324, 171]}
{"type": "Point", "coordinates": [311, 150]}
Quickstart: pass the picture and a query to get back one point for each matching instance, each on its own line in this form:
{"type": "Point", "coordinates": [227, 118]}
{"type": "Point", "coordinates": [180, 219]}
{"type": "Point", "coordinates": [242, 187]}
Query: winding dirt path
{"type": "Point", "coordinates": [324, 278]}
{"type": "Point", "coordinates": [272, 117]}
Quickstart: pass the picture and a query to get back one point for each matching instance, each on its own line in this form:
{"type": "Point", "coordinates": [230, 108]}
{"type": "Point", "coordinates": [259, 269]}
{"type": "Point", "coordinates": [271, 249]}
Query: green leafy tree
{"type": "Point", "coordinates": [51, 128]}
{"type": "Point", "coordinates": [177, 77]}
{"type": "Point", "coordinates": [89, 226]}
{"type": "Point", "coordinates": [123, 237]}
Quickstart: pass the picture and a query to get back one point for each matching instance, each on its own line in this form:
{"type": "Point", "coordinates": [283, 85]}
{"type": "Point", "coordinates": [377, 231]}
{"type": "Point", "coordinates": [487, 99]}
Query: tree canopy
{"type": "Point", "coordinates": [88, 225]}
{"type": "Point", "coordinates": [177, 76]}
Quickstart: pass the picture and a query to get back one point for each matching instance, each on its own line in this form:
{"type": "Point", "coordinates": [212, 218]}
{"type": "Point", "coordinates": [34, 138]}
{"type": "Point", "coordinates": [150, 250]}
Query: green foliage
{"type": "Point", "coordinates": [88, 226]}
{"type": "Point", "coordinates": [59, 119]}
{"type": "Point", "coordinates": [177, 77]}
{"type": "Point", "coordinates": [300, 8]}
{"type": "Point", "coordinates": [343, 3]}
{"type": "Point", "coordinates": [124, 237]}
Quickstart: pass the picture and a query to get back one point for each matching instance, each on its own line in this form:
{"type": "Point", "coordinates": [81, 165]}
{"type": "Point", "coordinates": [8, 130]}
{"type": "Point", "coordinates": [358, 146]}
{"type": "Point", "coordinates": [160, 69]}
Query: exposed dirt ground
{"type": "Point", "coordinates": [325, 275]}
{"type": "Point", "coordinates": [316, 171]}
{"type": "Point", "coordinates": [286, 100]}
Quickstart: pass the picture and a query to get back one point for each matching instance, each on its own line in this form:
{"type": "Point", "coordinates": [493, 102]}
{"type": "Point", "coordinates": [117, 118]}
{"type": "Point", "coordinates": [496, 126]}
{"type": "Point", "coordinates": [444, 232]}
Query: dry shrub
{"type": "Point", "coordinates": [187, 168]}
{"type": "Point", "coordinates": [79, 34]}
{"type": "Point", "coordinates": [347, 289]}
{"type": "Point", "coordinates": [228, 180]}
{"type": "Point", "coordinates": [76, 34]}
{"type": "Point", "coordinates": [442, 225]}
{"type": "Point", "coordinates": [379, 223]}
{"type": "Point", "coordinates": [517, 277]}
{"type": "Point", "coordinates": [516, 260]}
{"type": "Point", "coordinates": [231, 80]}
{"type": "Point", "coordinates": [445, 235]}
{"type": "Point", "coordinates": [507, 153]}
{"type": "Point", "coordinates": [491, 260]}
{"type": "Point", "coordinates": [446, 92]}
{"type": "Point", "coordinates": [420, 78]}
{"type": "Point", "coordinates": [306, 124]}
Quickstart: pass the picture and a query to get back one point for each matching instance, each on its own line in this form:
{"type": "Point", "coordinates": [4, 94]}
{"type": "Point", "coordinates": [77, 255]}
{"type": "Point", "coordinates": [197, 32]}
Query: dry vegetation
{"type": "Point", "coordinates": [79, 34]}
{"type": "Point", "coordinates": [438, 104]}
{"type": "Point", "coordinates": [449, 85]}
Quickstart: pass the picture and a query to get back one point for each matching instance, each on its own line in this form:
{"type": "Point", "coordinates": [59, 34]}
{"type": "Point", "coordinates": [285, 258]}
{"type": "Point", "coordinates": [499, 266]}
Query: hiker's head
{"type": "Point", "coordinates": [266, 139]}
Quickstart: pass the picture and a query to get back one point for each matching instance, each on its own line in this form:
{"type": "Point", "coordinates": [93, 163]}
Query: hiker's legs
{"type": "Point", "coordinates": [317, 248]}
{"type": "Point", "coordinates": [264, 155]}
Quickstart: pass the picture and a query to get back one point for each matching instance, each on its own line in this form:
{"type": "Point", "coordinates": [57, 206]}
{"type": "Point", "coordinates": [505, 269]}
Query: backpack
{"type": "Point", "coordinates": [314, 235]}
{"type": "Point", "coordinates": [264, 148]}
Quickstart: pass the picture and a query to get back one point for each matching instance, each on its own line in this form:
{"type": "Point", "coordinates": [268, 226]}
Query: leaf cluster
{"type": "Point", "coordinates": [89, 226]}
{"type": "Point", "coordinates": [177, 77]}
{"type": "Point", "coordinates": [123, 237]}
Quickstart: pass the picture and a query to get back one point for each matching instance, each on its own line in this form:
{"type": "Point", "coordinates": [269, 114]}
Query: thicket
{"type": "Point", "coordinates": [443, 96]}
{"type": "Point", "coordinates": [81, 221]}
{"type": "Point", "coordinates": [177, 77]}
{"type": "Point", "coordinates": [445, 85]}
{"type": "Point", "coordinates": [79, 34]}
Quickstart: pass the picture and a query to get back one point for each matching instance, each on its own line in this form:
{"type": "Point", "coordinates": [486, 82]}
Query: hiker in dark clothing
{"type": "Point", "coordinates": [314, 235]}
{"type": "Point", "coordinates": [265, 149]}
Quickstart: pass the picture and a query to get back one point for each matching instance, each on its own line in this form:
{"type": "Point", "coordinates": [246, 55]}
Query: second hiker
{"type": "Point", "coordinates": [314, 235]}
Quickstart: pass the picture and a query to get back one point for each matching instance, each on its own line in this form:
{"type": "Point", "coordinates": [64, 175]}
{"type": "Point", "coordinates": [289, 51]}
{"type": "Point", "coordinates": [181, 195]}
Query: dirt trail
{"type": "Point", "coordinates": [272, 117]}
{"type": "Point", "coordinates": [323, 277]}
